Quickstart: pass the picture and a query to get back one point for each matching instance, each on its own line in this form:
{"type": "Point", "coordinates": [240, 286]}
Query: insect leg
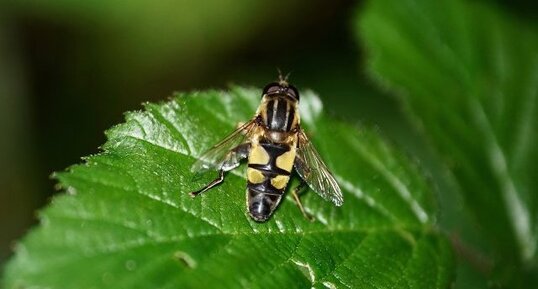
{"type": "Point", "coordinates": [242, 150]}
{"type": "Point", "coordinates": [295, 193]}
{"type": "Point", "coordinates": [211, 185]}
{"type": "Point", "coordinates": [232, 160]}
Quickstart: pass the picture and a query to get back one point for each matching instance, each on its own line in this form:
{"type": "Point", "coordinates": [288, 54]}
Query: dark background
{"type": "Point", "coordinates": [69, 69]}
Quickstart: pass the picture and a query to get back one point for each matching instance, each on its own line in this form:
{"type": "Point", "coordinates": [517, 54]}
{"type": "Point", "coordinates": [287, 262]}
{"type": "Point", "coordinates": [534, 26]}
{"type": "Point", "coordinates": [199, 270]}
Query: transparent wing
{"type": "Point", "coordinates": [315, 173]}
{"type": "Point", "coordinates": [222, 155]}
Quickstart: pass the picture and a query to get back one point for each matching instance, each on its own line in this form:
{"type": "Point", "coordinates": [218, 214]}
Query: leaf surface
{"type": "Point", "coordinates": [468, 75]}
{"type": "Point", "coordinates": [127, 221]}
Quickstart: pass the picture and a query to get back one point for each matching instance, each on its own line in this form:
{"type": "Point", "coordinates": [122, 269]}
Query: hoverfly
{"type": "Point", "coordinates": [274, 144]}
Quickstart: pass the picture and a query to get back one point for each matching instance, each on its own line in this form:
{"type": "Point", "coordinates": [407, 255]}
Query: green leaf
{"type": "Point", "coordinates": [468, 74]}
{"type": "Point", "coordinates": [126, 220]}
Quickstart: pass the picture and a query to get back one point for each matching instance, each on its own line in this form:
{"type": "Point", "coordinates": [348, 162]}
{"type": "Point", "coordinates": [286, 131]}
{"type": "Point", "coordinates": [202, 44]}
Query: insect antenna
{"type": "Point", "coordinates": [282, 80]}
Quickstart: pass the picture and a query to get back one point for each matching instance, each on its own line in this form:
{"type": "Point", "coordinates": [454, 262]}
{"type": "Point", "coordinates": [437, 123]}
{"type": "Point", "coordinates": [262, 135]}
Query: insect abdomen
{"type": "Point", "coordinates": [268, 174]}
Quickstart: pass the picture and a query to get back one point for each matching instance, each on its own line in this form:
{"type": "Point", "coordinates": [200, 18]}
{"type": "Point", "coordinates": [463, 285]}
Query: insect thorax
{"type": "Point", "coordinates": [279, 113]}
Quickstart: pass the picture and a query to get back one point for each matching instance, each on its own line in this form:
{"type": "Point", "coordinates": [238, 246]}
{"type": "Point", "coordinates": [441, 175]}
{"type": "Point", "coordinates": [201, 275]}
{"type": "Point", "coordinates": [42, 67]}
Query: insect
{"type": "Point", "coordinates": [274, 144]}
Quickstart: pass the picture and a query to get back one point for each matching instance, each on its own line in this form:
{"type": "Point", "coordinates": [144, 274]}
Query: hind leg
{"type": "Point", "coordinates": [232, 160]}
{"type": "Point", "coordinates": [295, 193]}
{"type": "Point", "coordinates": [211, 185]}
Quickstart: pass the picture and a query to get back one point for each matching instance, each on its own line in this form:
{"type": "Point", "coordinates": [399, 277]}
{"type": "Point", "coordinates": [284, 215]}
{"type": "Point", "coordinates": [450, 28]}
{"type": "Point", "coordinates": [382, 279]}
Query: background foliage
{"type": "Point", "coordinates": [469, 78]}
{"type": "Point", "coordinates": [463, 73]}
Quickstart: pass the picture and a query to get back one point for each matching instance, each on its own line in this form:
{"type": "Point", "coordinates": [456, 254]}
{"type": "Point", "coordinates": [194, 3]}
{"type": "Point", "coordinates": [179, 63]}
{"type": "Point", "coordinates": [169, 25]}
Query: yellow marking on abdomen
{"type": "Point", "coordinates": [280, 182]}
{"type": "Point", "coordinates": [258, 155]}
{"type": "Point", "coordinates": [285, 161]}
{"type": "Point", "coordinates": [254, 176]}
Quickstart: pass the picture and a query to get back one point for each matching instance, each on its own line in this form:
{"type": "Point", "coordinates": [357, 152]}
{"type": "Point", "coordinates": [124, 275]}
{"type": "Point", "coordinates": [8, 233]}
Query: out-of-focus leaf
{"type": "Point", "coordinates": [133, 40]}
{"type": "Point", "coordinates": [468, 74]}
{"type": "Point", "coordinates": [128, 222]}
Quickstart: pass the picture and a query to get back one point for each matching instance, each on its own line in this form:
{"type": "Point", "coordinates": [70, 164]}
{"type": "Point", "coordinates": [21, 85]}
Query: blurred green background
{"type": "Point", "coordinates": [69, 69]}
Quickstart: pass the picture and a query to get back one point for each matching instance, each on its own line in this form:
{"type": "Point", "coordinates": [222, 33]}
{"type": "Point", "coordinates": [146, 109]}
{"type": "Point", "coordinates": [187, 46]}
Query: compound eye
{"type": "Point", "coordinates": [272, 88]}
{"type": "Point", "coordinates": [293, 92]}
